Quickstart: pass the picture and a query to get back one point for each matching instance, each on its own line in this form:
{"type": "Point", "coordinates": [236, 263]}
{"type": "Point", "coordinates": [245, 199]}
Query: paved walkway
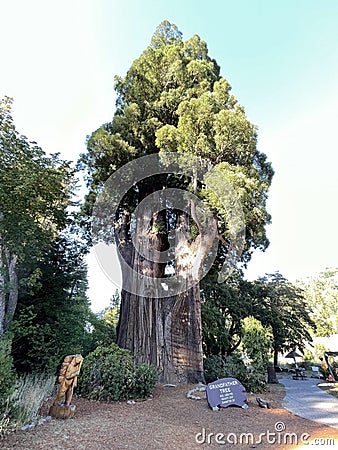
{"type": "Point", "coordinates": [306, 399]}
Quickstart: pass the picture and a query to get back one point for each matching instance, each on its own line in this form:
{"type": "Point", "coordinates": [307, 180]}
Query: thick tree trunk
{"type": "Point", "coordinates": [272, 378]}
{"type": "Point", "coordinates": [165, 332]}
{"type": "Point", "coordinates": [275, 357]}
{"type": "Point", "coordinates": [8, 288]}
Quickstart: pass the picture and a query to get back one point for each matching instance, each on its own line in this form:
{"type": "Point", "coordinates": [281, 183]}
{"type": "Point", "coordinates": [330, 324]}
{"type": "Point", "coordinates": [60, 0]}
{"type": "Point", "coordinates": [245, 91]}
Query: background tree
{"type": "Point", "coordinates": [35, 191]}
{"type": "Point", "coordinates": [256, 343]}
{"type": "Point", "coordinates": [102, 326]}
{"type": "Point", "coordinates": [281, 305]}
{"type": "Point", "coordinates": [224, 306]}
{"type": "Point", "coordinates": [173, 99]}
{"type": "Point", "coordinates": [51, 318]}
{"type": "Point", "coordinates": [321, 293]}
{"type": "Point", "coordinates": [278, 305]}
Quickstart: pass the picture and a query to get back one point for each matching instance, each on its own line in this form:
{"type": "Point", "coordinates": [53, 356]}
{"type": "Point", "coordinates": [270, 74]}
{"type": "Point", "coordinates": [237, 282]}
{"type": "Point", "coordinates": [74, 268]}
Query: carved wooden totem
{"type": "Point", "coordinates": [70, 369]}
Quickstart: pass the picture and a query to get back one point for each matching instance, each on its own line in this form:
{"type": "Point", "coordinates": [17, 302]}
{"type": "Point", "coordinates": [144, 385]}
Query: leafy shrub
{"type": "Point", "coordinates": [216, 367]}
{"type": "Point", "coordinates": [7, 374]}
{"type": "Point", "coordinates": [145, 379]}
{"type": "Point", "coordinates": [256, 343]}
{"type": "Point", "coordinates": [236, 368]}
{"type": "Point", "coordinates": [108, 373]}
{"type": "Point", "coordinates": [256, 380]}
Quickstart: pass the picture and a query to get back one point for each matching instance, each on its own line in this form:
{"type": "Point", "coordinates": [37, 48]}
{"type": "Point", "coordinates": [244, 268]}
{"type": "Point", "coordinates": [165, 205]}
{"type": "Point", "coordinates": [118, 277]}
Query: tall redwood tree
{"type": "Point", "coordinates": [174, 100]}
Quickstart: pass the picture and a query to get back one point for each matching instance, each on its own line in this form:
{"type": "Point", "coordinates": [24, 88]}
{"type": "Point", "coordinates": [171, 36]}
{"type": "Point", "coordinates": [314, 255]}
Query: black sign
{"type": "Point", "coordinates": [226, 392]}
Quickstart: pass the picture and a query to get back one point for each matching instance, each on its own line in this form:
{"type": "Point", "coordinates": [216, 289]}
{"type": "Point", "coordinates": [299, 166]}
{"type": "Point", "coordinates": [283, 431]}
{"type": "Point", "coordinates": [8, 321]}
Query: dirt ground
{"type": "Point", "coordinates": [172, 421]}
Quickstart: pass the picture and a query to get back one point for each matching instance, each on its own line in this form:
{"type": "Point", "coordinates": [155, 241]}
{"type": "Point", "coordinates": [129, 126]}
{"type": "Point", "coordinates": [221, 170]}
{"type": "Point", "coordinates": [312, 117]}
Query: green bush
{"type": "Point", "coordinates": [108, 373]}
{"type": "Point", "coordinates": [235, 367]}
{"type": "Point", "coordinates": [145, 379]}
{"type": "Point", "coordinates": [7, 374]}
{"type": "Point", "coordinates": [256, 344]}
{"type": "Point", "coordinates": [256, 379]}
{"type": "Point", "coordinates": [216, 367]}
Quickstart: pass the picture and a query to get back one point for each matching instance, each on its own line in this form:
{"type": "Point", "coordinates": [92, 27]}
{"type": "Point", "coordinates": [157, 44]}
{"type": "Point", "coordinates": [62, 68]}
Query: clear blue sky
{"type": "Point", "coordinates": [58, 60]}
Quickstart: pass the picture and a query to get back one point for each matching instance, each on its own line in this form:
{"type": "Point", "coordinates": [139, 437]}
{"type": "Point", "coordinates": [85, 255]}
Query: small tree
{"type": "Point", "coordinates": [257, 344]}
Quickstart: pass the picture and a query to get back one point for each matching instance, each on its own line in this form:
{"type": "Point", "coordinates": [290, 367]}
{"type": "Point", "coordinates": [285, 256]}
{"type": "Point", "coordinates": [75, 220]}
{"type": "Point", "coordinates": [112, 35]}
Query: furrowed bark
{"type": "Point", "coordinates": [165, 332]}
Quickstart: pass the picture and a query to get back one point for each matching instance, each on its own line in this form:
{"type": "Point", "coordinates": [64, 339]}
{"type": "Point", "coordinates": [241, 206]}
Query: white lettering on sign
{"type": "Point", "coordinates": [222, 385]}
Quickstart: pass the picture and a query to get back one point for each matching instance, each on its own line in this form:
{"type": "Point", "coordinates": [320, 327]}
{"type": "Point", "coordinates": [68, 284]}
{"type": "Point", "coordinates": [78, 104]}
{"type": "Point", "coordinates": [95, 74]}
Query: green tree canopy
{"type": "Point", "coordinates": [224, 306]}
{"type": "Point", "coordinates": [321, 293]}
{"type": "Point", "coordinates": [35, 192]}
{"type": "Point", "coordinates": [281, 305]}
{"type": "Point", "coordinates": [51, 318]}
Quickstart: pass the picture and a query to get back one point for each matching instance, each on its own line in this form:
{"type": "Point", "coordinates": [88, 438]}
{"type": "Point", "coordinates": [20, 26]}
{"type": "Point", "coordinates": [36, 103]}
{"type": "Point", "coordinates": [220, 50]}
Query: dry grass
{"type": "Point", "coordinates": [24, 404]}
{"type": "Point", "coordinates": [330, 388]}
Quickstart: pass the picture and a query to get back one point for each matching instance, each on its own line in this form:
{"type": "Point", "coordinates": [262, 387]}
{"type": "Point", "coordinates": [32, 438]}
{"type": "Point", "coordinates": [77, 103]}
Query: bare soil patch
{"type": "Point", "coordinates": [171, 421]}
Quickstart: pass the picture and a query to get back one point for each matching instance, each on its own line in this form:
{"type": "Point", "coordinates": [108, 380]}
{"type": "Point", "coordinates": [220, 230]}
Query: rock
{"type": "Point", "coordinates": [263, 403]}
{"type": "Point", "coordinates": [190, 394]}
